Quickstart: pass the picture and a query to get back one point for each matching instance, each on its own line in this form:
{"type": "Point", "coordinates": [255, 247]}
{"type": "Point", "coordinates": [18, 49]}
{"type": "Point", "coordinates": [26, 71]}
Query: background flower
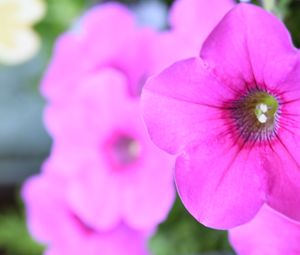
{"type": "Point", "coordinates": [101, 144]}
{"type": "Point", "coordinates": [96, 44]}
{"type": "Point", "coordinates": [18, 42]}
{"type": "Point", "coordinates": [56, 225]}
{"type": "Point", "coordinates": [268, 233]}
{"type": "Point", "coordinates": [113, 174]}
{"type": "Point", "coordinates": [190, 22]}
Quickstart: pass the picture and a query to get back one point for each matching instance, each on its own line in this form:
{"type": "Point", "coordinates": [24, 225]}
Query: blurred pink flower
{"type": "Point", "coordinates": [199, 16]}
{"type": "Point", "coordinates": [232, 115]}
{"type": "Point", "coordinates": [106, 36]}
{"type": "Point", "coordinates": [190, 21]}
{"type": "Point", "coordinates": [115, 171]}
{"type": "Point", "coordinates": [269, 233]}
{"type": "Point", "coordinates": [53, 222]}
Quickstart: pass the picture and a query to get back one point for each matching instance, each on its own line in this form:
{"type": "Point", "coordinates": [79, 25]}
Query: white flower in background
{"type": "Point", "coordinates": [18, 42]}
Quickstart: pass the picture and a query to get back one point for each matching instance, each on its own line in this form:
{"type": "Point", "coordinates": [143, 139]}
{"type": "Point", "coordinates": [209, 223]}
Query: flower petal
{"type": "Point", "coordinates": [183, 104]}
{"type": "Point", "coordinates": [268, 233]}
{"type": "Point", "coordinates": [94, 106]}
{"type": "Point", "coordinates": [122, 241]}
{"type": "Point", "coordinates": [49, 220]}
{"type": "Point", "coordinates": [95, 197]}
{"type": "Point", "coordinates": [124, 45]}
{"type": "Point", "coordinates": [191, 22]}
{"type": "Point", "coordinates": [65, 69]}
{"type": "Point", "coordinates": [190, 17]}
{"type": "Point", "coordinates": [149, 190]}
{"type": "Point", "coordinates": [117, 241]}
{"type": "Point", "coordinates": [250, 44]}
{"type": "Point", "coordinates": [220, 184]}
{"type": "Point", "coordinates": [282, 163]}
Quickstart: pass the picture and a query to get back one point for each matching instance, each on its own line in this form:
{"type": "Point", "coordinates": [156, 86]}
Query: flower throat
{"type": "Point", "coordinates": [126, 150]}
{"type": "Point", "coordinates": [256, 115]}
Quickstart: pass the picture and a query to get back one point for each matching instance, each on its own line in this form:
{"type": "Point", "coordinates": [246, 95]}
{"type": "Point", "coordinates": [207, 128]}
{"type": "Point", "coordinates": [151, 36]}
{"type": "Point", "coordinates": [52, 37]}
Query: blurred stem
{"type": "Point", "coordinates": [277, 7]}
{"type": "Point", "coordinates": [269, 5]}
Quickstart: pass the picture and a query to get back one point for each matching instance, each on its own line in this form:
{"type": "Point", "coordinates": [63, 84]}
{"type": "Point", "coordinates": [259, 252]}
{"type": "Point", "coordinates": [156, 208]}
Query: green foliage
{"type": "Point", "coordinates": [14, 237]}
{"type": "Point", "coordinates": [59, 17]}
{"type": "Point", "coordinates": [181, 234]}
{"type": "Point", "coordinates": [292, 21]}
{"type": "Point", "coordinates": [283, 7]}
{"type": "Point", "coordinates": [278, 7]}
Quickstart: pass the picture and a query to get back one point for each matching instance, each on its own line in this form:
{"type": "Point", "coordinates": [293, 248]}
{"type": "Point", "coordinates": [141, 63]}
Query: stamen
{"type": "Point", "coordinates": [262, 118]}
{"type": "Point", "coordinates": [260, 111]}
{"type": "Point", "coordinates": [263, 107]}
{"type": "Point", "coordinates": [256, 115]}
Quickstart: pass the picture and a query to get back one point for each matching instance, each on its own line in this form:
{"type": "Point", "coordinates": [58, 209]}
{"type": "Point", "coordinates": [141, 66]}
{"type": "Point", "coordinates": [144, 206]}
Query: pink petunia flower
{"type": "Point", "coordinates": [53, 222]}
{"type": "Point", "coordinates": [100, 142]}
{"type": "Point", "coordinates": [115, 172]}
{"type": "Point", "coordinates": [232, 115]}
{"type": "Point", "coordinates": [107, 36]}
{"type": "Point", "coordinates": [269, 233]}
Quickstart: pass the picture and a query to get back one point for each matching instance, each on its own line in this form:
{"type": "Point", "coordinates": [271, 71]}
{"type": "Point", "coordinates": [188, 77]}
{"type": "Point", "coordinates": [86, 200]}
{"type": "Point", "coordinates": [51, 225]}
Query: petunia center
{"type": "Point", "coordinates": [266, 108]}
{"type": "Point", "coordinates": [256, 115]}
{"type": "Point", "coordinates": [126, 150]}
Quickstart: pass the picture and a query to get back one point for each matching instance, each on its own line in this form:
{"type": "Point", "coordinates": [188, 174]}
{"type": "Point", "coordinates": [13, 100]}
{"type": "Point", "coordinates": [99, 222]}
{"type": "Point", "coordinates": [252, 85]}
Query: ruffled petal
{"type": "Point", "coordinates": [66, 69]}
{"type": "Point", "coordinates": [98, 105]}
{"type": "Point", "coordinates": [124, 45]}
{"type": "Point", "coordinates": [220, 184]}
{"type": "Point", "coordinates": [250, 45]}
{"type": "Point", "coordinates": [121, 240]}
{"type": "Point", "coordinates": [48, 216]}
{"type": "Point", "coordinates": [95, 197]}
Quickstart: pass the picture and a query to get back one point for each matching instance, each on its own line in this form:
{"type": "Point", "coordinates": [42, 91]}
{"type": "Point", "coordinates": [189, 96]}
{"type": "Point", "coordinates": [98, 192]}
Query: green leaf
{"type": "Point", "coordinates": [181, 234]}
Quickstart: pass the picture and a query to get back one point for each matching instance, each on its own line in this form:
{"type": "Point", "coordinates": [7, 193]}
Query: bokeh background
{"type": "Point", "coordinates": [24, 143]}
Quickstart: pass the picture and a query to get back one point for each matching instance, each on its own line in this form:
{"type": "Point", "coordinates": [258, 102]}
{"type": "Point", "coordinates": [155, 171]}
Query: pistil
{"type": "Point", "coordinates": [256, 115]}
